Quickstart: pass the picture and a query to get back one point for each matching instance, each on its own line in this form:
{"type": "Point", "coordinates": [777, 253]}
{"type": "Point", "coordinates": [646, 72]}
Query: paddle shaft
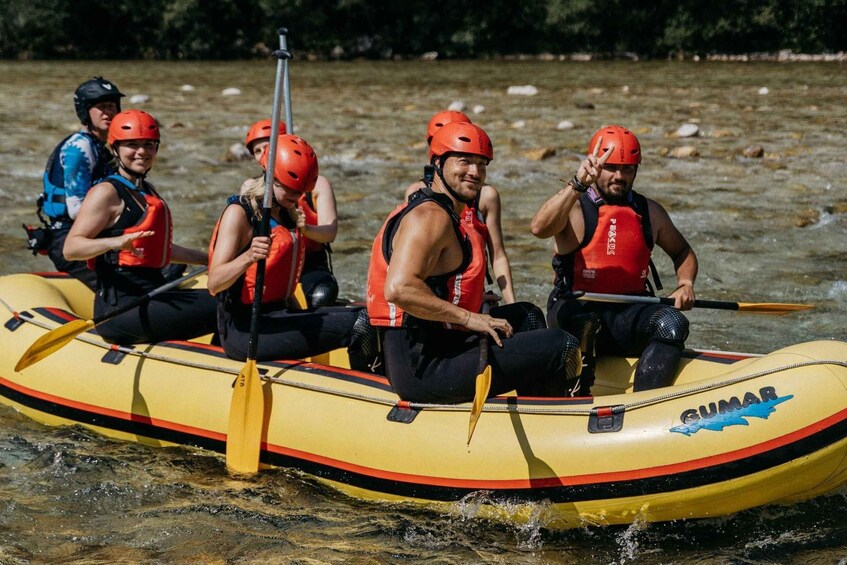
{"type": "Point", "coordinates": [753, 307]}
{"type": "Point", "coordinates": [267, 203]}
{"type": "Point", "coordinates": [141, 300]}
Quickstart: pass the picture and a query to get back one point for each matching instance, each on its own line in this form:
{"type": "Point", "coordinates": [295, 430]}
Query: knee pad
{"type": "Point", "coordinates": [571, 356]}
{"type": "Point", "coordinates": [323, 294]}
{"type": "Point", "coordinates": [364, 338]}
{"type": "Point", "coordinates": [668, 325]}
{"type": "Point", "coordinates": [533, 319]}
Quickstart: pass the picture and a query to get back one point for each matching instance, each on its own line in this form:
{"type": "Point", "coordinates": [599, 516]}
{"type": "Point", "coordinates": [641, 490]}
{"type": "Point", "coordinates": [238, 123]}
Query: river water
{"type": "Point", "coordinates": [766, 229]}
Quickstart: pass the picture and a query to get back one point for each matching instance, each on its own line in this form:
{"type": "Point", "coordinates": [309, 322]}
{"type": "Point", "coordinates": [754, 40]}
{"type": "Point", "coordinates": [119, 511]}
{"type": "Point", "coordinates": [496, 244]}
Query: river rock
{"type": "Point", "coordinates": [139, 98]}
{"type": "Point", "coordinates": [540, 153]}
{"type": "Point", "coordinates": [457, 106]}
{"type": "Point", "coordinates": [565, 124]}
{"type": "Point", "coordinates": [754, 152]}
{"type": "Point", "coordinates": [718, 133]}
{"type": "Point", "coordinates": [237, 152]}
{"type": "Point", "coordinates": [687, 130]}
{"type": "Point", "coordinates": [187, 88]}
{"type": "Point", "coordinates": [525, 90]}
{"type": "Point", "coordinates": [518, 124]}
{"type": "Point", "coordinates": [837, 208]}
{"type": "Point", "coordinates": [585, 105]}
{"type": "Point", "coordinates": [763, 91]}
{"type": "Point", "coordinates": [806, 218]}
{"type": "Point", "coordinates": [232, 91]}
{"type": "Point", "coordinates": [478, 109]}
{"type": "Point", "coordinates": [684, 152]}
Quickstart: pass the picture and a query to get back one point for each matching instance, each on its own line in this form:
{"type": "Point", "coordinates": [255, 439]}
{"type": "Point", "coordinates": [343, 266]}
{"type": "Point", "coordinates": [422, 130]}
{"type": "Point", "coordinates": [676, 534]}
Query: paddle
{"type": "Point", "coordinates": [774, 308]}
{"type": "Point", "coordinates": [483, 381]}
{"type": "Point", "coordinates": [56, 339]}
{"type": "Point", "coordinates": [247, 407]}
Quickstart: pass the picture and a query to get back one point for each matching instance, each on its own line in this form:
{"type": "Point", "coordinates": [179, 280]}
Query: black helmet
{"type": "Point", "coordinates": [93, 91]}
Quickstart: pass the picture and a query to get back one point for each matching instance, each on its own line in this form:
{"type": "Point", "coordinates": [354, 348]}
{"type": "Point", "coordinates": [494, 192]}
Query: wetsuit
{"type": "Point", "coordinates": [319, 284]}
{"type": "Point", "coordinates": [614, 258]}
{"type": "Point", "coordinates": [285, 333]}
{"type": "Point", "coordinates": [76, 164]}
{"type": "Point", "coordinates": [123, 277]}
{"type": "Point", "coordinates": [430, 362]}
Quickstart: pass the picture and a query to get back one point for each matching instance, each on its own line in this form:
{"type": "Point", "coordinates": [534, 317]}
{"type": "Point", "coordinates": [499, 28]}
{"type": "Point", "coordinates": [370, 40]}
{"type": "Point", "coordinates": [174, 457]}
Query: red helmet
{"type": "Point", "coordinates": [133, 124]}
{"type": "Point", "coordinates": [459, 137]}
{"type": "Point", "coordinates": [627, 149]}
{"type": "Point", "coordinates": [296, 165]}
{"type": "Point", "coordinates": [441, 118]}
{"type": "Point", "coordinates": [261, 129]}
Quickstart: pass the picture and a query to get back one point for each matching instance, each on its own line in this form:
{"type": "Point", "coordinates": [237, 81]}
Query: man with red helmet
{"type": "Point", "coordinates": [604, 233]}
{"type": "Point", "coordinates": [427, 303]}
{"type": "Point", "coordinates": [124, 232]}
{"type": "Point", "coordinates": [317, 218]}
{"type": "Point", "coordinates": [484, 211]}
{"type": "Point", "coordinates": [236, 247]}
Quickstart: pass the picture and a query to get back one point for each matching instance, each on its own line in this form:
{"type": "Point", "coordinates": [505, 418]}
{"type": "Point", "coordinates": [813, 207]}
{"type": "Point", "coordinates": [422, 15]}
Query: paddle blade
{"type": "Point", "coordinates": [52, 341]}
{"type": "Point", "coordinates": [483, 385]}
{"type": "Point", "coordinates": [774, 308]}
{"type": "Point", "coordinates": [246, 415]}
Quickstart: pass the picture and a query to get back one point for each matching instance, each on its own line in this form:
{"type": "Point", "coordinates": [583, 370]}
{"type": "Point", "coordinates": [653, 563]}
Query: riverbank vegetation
{"type": "Point", "coordinates": [344, 29]}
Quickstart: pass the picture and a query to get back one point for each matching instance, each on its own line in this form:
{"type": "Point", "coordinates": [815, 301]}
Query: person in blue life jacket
{"type": "Point", "coordinates": [316, 215]}
{"type": "Point", "coordinates": [76, 164]}
{"type": "Point", "coordinates": [285, 331]}
{"type": "Point", "coordinates": [125, 234]}
{"type": "Point", "coordinates": [603, 236]}
{"type": "Point", "coordinates": [426, 288]}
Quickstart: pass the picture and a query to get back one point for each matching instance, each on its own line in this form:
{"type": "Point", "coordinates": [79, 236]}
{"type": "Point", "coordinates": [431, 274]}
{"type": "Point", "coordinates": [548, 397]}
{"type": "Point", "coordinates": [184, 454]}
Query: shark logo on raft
{"type": "Point", "coordinates": [731, 412]}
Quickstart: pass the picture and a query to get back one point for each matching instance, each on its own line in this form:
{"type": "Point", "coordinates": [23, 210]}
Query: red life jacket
{"type": "Point", "coordinates": [614, 255]}
{"type": "Point", "coordinates": [283, 266]}
{"type": "Point", "coordinates": [463, 287]}
{"type": "Point", "coordinates": [155, 216]}
{"type": "Point", "coordinates": [307, 204]}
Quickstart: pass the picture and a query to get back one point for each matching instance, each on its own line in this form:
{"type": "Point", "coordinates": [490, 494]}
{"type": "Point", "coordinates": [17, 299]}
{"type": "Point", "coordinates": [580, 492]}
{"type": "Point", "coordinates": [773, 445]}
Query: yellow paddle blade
{"type": "Point", "coordinates": [483, 385]}
{"type": "Point", "coordinates": [52, 341]}
{"type": "Point", "coordinates": [246, 416]}
{"type": "Point", "coordinates": [775, 308]}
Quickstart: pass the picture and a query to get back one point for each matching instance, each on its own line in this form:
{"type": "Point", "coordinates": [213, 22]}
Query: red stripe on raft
{"type": "Point", "coordinates": [473, 484]}
{"type": "Point", "coordinates": [574, 480]}
{"type": "Point", "coordinates": [127, 416]}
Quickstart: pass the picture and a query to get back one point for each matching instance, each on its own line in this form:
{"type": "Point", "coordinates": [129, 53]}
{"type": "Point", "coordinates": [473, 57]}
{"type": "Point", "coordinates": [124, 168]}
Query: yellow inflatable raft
{"type": "Point", "coordinates": [734, 432]}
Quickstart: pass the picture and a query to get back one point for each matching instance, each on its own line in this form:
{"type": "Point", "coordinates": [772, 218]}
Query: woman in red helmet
{"type": "Point", "coordinates": [427, 304]}
{"type": "Point", "coordinates": [484, 211]}
{"type": "Point", "coordinates": [604, 233]}
{"type": "Point", "coordinates": [317, 219]}
{"type": "Point", "coordinates": [285, 332]}
{"type": "Point", "coordinates": [124, 231]}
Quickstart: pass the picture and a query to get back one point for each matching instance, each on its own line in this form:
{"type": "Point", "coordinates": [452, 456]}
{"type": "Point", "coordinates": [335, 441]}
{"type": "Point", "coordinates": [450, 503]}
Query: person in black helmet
{"type": "Point", "coordinates": [75, 165]}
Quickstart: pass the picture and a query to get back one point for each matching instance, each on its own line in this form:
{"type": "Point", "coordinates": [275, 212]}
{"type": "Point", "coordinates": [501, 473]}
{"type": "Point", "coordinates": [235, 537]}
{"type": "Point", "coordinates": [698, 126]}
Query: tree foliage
{"type": "Point", "coordinates": [222, 29]}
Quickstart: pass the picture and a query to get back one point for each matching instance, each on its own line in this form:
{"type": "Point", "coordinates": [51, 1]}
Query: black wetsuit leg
{"type": "Point", "coordinates": [429, 363]}
{"type": "Point", "coordinates": [285, 334]}
{"type": "Point", "coordinates": [176, 314]}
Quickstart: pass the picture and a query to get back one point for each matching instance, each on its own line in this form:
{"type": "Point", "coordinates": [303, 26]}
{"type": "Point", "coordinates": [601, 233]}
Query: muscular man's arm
{"type": "Point", "coordinates": [425, 245]}
{"type": "Point", "coordinates": [672, 242]}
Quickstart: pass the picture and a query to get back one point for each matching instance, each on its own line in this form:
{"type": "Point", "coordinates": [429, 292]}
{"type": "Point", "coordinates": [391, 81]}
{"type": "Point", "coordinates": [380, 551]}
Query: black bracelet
{"type": "Point", "coordinates": [578, 186]}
